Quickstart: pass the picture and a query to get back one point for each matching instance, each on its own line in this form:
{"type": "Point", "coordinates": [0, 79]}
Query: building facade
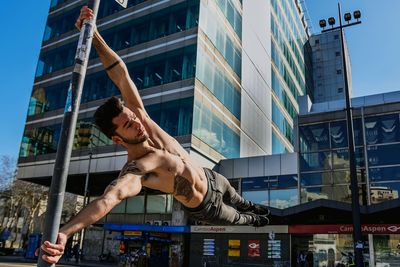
{"type": "Point", "coordinates": [327, 65]}
{"type": "Point", "coordinates": [309, 191]}
{"type": "Point", "coordinates": [223, 77]}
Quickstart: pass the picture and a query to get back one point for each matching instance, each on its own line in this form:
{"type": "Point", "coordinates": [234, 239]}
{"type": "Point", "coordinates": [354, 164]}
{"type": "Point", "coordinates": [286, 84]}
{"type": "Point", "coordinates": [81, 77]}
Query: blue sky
{"type": "Point", "coordinates": [373, 45]}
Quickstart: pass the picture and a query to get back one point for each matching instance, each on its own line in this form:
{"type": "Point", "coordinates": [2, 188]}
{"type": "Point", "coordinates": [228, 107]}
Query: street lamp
{"type": "Point", "coordinates": [86, 192]}
{"type": "Point", "coordinates": [357, 236]}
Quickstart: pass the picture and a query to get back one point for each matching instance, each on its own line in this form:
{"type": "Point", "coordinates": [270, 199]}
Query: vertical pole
{"type": "Point", "coordinates": [64, 149]}
{"type": "Point", "coordinates": [355, 204]}
{"type": "Point", "coordinates": [370, 236]}
{"type": "Point", "coordinates": [85, 200]}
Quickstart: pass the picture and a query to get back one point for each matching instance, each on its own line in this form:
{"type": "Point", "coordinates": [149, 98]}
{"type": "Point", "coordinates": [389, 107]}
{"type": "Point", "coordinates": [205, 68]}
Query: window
{"type": "Point", "coordinates": [338, 71]}
{"type": "Point", "coordinates": [336, 36]}
{"type": "Point", "coordinates": [337, 53]}
{"type": "Point", "coordinates": [316, 41]}
{"type": "Point", "coordinates": [340, 90]}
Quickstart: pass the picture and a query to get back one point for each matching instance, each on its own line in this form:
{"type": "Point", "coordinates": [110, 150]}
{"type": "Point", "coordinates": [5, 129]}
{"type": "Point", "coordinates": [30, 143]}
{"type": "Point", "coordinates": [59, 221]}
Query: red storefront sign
{"type": "Point", "coordinates": [344, 229]}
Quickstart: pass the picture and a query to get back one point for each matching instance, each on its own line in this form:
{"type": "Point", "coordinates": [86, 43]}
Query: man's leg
{"type": "Point", "coordinates": [229, 193]}
{"type": "Point", "coordinates": [232, 197]}
{"type": "Point", "coordinates": [229, 215]}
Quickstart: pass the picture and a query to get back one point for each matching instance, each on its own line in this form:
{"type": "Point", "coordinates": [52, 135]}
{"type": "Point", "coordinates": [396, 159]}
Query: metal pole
{"type": "Point", "coordinates": [64, 149]}
{"type": "Point", "coordinates": [357, 236]}
{"type": "Point", "coordinates": [85, 200]}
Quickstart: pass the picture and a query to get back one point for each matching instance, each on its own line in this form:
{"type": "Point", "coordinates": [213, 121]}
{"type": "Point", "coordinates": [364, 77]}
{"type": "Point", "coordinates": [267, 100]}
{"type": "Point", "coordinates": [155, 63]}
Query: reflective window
{"type": "Point", "coordinates": [175, 117]}
{"type": "Point", "coordinates": [280, 92]}
{"type": "Point", "coordinates": [382, 129]}
{"type": "Point", "coordinates": [172, 66]}
{"type": "Point", "coordinates": [159, 203]}
{"type": "Point", "coordinates": [217, 81]}
{"type": "Point", "coordinates": [123, 36]}
{"type": "Point", "coordinates": [232, 14]}
{"type": "Point", "coordinates": [358, 132]}
{"type": "Point", "coordinates": [61, 24]}
{"type": "Point", "coordinates": [120, 208]}
{"type": "Point", "coordinates": [213, 131]}
{"type": "Point", "coordinates": [135, 204]}
{"type": "Point", "coordinates": [340, 159]}
{"type": "Point", "coordinates": [314, 137]}
{"type": "Point", "coordinates": [47, 98]}
{"type": "Point", "coordinates": [261, 197]}
{"type": "Point", "coordinates": [285, 181]}
{"type": "Point", "coordinates": [383, 155]}
{"type": "Point", "coordinates": [213, 27]}
{"type": "Point", "coordinates": [280, 121]}
{"type": "Point", "coordinates": [384, 174]}
{"type": "Point", "coordinates": [338, 131]}
{"type": "Point", "coordinates": [283, 198]}
{"type": "Point", "coordinates": [343, 177]}
{"type": "Point", "coordinates": [275, 191]}
{"type": "Point", "coordinates": [255, 184]}
{"type": "Point", "coordinates": [315, 161]}
{"type": "Point", "coordinates": [277, 146]}
{"type": "Point", "coordinates": [341, 193]}
{"type": "Point", "coordinates": [316, 178]}
{"type": "Point", "coordinates": [314, 193]}
{"type": "Point", "coordinates": [38, 141]}
{"type": "Point", "coordinates": [381, 192]}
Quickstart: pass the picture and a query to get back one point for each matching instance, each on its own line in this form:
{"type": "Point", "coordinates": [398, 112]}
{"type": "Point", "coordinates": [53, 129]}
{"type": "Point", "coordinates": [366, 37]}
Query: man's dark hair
{"type": "Point", "coordinates": [106, 113]}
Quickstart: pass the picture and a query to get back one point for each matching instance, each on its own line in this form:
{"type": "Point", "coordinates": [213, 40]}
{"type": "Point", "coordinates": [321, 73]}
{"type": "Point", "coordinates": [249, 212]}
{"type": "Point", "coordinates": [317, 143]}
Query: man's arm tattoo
{"type": "Point", "coordinates": [114, 183]}
{"type": "Point", "coordinates": [130, 167]}
{"type": "Point", "coordinates": [182, 187]}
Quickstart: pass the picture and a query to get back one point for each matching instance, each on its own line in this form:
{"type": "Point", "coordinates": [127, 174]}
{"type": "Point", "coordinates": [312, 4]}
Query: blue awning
{"type": "Point", "coordinates": [147, 228]}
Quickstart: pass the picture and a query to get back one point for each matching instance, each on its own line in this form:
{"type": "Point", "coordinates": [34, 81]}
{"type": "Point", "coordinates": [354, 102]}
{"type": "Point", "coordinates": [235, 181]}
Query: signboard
{"type": "Point", "coordinates": [344, 229]}
{"type": "Point", "coordinates": [133, 233]}
{"type": "Point", "coordinates": [234, 248]}
{"type": "Point", "coordinates": [281, 229]}
{"type": "Point", "coordinates": [253, 248]}
{"type": "Point", "coordinates": [123, 3]}
{"type": "Point", "coordinates": [274, 249]}
{"type": "Point", "coordinates": [208, 247]}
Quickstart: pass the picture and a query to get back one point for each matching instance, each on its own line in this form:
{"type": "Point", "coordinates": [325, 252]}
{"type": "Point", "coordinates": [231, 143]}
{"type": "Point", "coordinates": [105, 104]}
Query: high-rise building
{"type": "Point", "coordinates": [223, 77]}
{"type": "Point", "coordinates": [327, 64]}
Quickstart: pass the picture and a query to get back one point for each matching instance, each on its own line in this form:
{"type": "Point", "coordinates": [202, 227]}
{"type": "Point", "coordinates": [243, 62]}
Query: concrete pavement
{"type": "Point", "coordinates": [21, 261]}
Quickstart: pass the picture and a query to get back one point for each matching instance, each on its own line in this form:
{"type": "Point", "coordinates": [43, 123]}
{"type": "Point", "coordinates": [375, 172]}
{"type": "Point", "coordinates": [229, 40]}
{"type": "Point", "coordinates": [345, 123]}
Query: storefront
{"type": "Point", "coordinates": [332, 245]}
{"type": "Point", "coordinates": [239, 246]}
{"type": "Point", "coordinates": [293, 245]}
{"type": "Point", "coordinates": [160, 245]}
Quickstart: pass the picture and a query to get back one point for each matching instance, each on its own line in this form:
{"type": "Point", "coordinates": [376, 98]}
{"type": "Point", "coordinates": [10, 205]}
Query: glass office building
{"type": "Point", "coordinates": [309, 190]}
{"type": "Point", "coordinates": [223, 77]}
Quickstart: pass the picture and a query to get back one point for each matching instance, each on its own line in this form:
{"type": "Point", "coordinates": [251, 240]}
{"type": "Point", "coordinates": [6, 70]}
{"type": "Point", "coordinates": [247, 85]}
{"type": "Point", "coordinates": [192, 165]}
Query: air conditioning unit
{"type": "Point", "coordinates": [166, 223]}
{"type": "Point", "coordinates": [157, 222]}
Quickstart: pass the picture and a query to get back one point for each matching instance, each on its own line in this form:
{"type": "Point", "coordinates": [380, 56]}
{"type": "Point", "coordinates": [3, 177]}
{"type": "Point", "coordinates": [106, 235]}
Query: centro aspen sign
{"type": "Point", "coordinates": [344, 229]}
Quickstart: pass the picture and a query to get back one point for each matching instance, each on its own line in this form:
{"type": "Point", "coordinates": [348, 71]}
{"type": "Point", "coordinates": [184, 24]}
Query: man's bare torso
{"type": "Point", "coordinates": [167, 167]}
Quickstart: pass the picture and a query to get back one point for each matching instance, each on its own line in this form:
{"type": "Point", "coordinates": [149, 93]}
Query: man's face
{"type": "Point", "coordinates": [130, 129]}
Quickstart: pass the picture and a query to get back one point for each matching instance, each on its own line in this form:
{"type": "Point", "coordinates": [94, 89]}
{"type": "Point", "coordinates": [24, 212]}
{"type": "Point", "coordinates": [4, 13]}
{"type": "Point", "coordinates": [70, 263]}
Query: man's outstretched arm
{"type": "Point", "coordinates": [115, 67]}
{"type": "Point", "coordinates": [126, 186]}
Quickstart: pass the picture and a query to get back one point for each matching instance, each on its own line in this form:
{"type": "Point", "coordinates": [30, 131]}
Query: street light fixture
{"type": "Point", "coordinates": [357, 236]}
{"type": "Point", "coordinates": [347, 17]}
{"type": "Point", "coordinates": [322, 23]}
{"type": "Point", "coordinates": [357, 14]}
{"type": "Point", "coordinates": [331, 21]}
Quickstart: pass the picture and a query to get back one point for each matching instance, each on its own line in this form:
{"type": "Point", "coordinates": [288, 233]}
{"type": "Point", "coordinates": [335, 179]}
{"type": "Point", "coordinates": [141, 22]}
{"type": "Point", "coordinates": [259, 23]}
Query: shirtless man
{"type": "Point", "coordinates": [155, 160]}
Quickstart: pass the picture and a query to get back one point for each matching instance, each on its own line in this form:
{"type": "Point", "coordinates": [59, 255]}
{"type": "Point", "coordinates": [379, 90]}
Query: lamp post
{"type": "Point", "coordinates": [357, 236]}
{"type": "Point", "coordinates": [86, 195]}
{"type": "Point", "coordinates": [64, 149]}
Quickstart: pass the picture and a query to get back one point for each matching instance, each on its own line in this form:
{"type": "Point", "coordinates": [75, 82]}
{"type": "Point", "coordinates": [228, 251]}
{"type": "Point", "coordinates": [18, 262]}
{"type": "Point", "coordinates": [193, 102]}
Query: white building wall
{"type": "Point", "coordinates": [256, 79]}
